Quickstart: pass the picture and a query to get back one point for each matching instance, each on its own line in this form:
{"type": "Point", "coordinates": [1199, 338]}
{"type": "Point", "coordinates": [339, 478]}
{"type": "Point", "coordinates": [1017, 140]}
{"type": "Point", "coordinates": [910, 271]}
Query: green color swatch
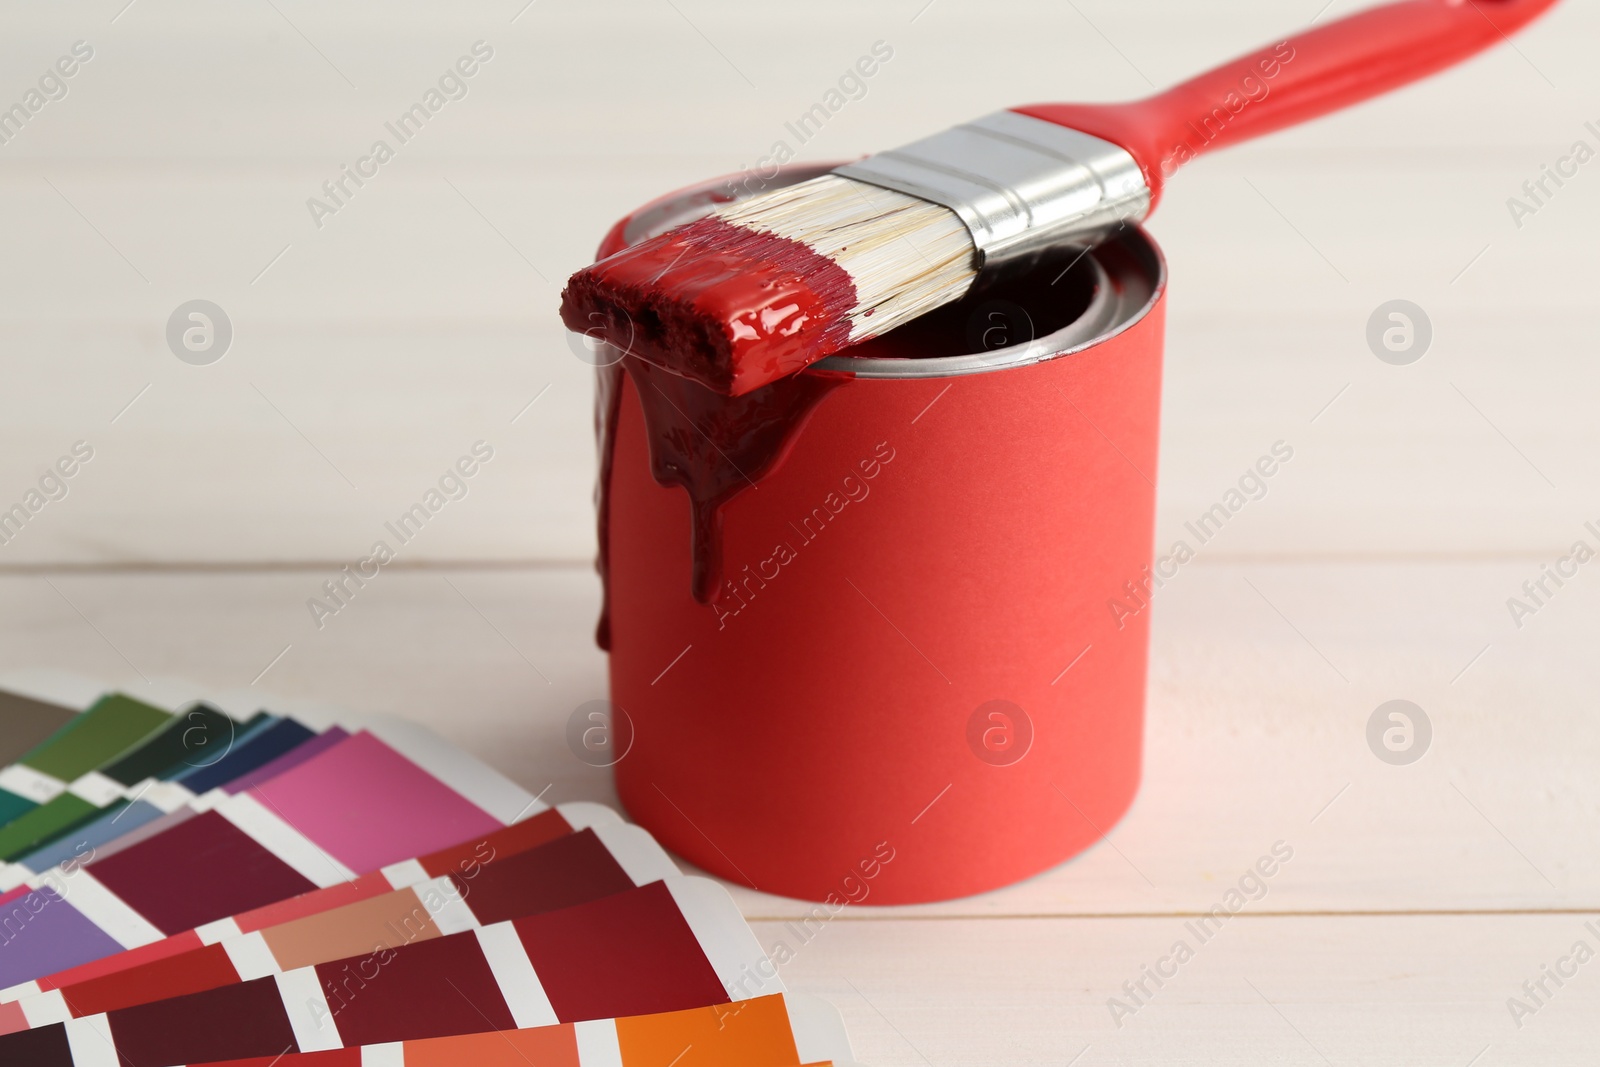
{"type": "Point", "coordinates": [43, 824]}
{"type": "Point", "coordinates": [112, 726]}
{"type": "Point", "coordinates": [109, 728]}
{"type": "Point", "coordinates": [192, 737]}
{"type": "Point", "coordinates": [186, 740]}
{"type": "Point", "coordinates": [13, 806]}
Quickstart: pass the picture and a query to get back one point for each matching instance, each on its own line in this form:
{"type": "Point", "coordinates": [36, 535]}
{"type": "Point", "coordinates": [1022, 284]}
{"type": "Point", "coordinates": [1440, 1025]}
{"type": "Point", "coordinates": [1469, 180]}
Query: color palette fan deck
{"type": "Point", "coordinates": [190, 885]}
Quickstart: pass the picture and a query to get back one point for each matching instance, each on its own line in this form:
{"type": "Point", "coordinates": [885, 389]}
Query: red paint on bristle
{"type": "Point", "coordinates": [728, 307]}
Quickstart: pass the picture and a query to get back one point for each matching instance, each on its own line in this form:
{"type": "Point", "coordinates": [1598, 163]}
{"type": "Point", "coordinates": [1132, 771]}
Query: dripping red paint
{"type": "Point", "coordinates": [706, 313]}
{"type": "Point", "coordinates": [712, 446]}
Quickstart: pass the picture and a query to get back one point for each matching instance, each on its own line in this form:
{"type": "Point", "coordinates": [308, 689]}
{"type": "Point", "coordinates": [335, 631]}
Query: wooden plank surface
{"type": "Point", "coordinates": [1417, 900]}
{"type": "Point", "coordinates": [1254, 736]}
{"type": "Point", "coordinates": [1312, 990]}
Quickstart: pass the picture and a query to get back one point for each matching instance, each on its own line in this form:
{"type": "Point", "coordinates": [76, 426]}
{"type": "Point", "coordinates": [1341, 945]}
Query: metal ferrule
{"type": "Point", "coordinates": [1022, 186]}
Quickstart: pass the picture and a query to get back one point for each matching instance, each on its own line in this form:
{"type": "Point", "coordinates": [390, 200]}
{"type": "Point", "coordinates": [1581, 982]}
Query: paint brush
{"type": "Point", "coordinates": [763, 287]}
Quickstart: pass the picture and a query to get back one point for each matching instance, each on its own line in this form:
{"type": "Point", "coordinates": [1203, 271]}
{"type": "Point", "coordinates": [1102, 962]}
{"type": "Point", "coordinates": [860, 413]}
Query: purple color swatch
{"type": "Point", "coordinates": [41, 933]}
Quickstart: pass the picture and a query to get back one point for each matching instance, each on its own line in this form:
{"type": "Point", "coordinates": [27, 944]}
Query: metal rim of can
{"type": "Point", "coordinates": [1114, 308]}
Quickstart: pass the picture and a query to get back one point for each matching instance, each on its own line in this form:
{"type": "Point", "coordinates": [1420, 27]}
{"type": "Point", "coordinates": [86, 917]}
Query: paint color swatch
{"type": "Point", "coordinates": [580, 867]}
{"type": "Point", "coordinates": [370, 806]}
{"type": "Point", "coordinates": [151, 801]}
{"type": "Point", "coordinates": [44, 932]}
{"type": "Point", "coordinates": [191, 888]}
{"type": "Point", "coordinates": [26, 723]}
{"type": "Point", "coordinates": [548, 825]}
{"type": "Point", "coordinates": [289, 759]}
{"type": "Point", "coordinates": [182, 738]}
{"type": "Point", "coordinates": [356, 806]}
{"type": "Point", "coordinates": [194, 737]}
{"type": "Point", "coordinates": [764, 1032]}
{"type": "Point", "coordinates": [630, 954]}
{"type": "Point", "coordinates": [661, 947]}
{"type": "Point", "coordinates": [237, 871]}
{"type": "Point", "coordinates": [110, 727]}
{"type": "Point", "coordinates": [280, 737]}
{"type": "Point", "coordinates": [771, 1031]}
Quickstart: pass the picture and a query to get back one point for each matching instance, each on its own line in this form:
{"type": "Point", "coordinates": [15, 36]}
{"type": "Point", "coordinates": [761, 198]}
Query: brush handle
{"type": "Point", "coordinates": [1302, 78]}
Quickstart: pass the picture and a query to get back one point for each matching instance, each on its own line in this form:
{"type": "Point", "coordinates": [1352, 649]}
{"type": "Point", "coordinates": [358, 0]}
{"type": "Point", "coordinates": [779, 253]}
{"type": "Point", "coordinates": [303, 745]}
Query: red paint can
{"type": "Point", "coordinates": [912, 684]}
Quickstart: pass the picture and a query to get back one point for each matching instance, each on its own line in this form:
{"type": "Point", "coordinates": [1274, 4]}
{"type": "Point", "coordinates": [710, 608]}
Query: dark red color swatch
{"type": "Point", "coordinates": [233, 1022]}
{"type": "Point", "coordinates": [44, 1047]}
{"type": "Point", "coordinates": [435, 988]}
{"type": "Point", "coordinates": [175, 976]}
{"type": "Point", "coordinates": [518, 837]}
{"type": "Point", "coordinates": [339, 1057]}
{"type": "Point", "coordinates": [571, 870]}
{"type": "Point", "coordinates": [199, 871]}
{"type": "Point", "coordinates": [629, 954]}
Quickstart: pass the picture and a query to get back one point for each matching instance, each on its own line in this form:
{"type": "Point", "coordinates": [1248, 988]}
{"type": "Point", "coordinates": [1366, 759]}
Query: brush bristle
{"type": "Point", "coordinates": [762, 288]}
{"type": "Point", "coordinates": [906, 256]}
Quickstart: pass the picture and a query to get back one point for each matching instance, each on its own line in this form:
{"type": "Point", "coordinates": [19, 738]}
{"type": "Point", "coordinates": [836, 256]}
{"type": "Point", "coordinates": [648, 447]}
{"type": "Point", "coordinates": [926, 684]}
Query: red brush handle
{"type": "Point", "coordinates": [1302, 78]}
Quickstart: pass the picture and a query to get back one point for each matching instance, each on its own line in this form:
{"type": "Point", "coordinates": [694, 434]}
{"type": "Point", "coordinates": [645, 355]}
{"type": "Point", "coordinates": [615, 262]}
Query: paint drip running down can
{"type": "Point", "coordinates": [868, 654]}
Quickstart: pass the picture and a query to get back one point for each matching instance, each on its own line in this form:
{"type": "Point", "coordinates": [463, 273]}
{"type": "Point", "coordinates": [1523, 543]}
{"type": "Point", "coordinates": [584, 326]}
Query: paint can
{"type": "Point", "coordinates": [923, 674]}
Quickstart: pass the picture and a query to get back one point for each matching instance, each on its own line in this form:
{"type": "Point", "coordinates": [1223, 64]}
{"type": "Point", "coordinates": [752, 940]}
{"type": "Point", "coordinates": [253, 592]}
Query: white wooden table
{"type": "Point", "coordinates": [371, 352]}
{"type": "Point", "coordinates": [1418, 898]}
